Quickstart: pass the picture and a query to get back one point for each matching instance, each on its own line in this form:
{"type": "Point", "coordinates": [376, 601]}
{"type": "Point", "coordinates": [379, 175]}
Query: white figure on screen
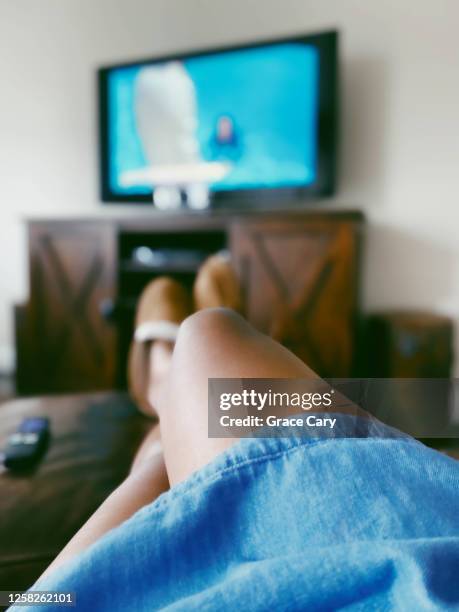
{"type": "Point", "coordinates": [166, 115]}
{"type": "Point", "coordinates": [166, 112]}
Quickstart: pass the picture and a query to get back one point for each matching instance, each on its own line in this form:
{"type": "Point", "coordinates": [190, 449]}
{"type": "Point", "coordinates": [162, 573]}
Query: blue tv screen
{"type": "Point", "coordinates": [241, 121]}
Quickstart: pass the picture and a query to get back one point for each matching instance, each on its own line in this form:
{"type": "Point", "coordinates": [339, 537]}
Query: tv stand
{"type": "Point", "coordinates": [299, 272]}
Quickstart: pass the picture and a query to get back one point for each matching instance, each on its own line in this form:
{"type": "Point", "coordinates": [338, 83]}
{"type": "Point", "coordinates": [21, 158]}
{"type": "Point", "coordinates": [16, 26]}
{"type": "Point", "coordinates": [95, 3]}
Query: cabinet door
{"type": "Point", "coordinates": [300, 282]}
{"type": "Point", "coordinates": [65, 342]}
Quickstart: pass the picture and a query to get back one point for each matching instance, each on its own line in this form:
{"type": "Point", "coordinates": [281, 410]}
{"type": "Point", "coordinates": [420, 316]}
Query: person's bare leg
{"type": "Point", "coordinates": [146, 480]}
{"type": "Point", "coordinates": [212, 343]}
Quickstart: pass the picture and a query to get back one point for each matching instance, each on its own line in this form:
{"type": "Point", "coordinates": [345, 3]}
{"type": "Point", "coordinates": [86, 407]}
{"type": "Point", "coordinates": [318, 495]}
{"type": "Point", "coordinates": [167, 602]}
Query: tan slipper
{"type": "Point", "coordinates": [162, 307]}
{"type": "Point", "coordinates": [217, 285]}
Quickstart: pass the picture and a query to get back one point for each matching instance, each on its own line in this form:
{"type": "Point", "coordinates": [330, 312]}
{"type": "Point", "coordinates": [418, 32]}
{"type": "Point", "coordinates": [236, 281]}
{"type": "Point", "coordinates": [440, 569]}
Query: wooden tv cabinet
{"type": "Point", "coordinates": [299, 273]}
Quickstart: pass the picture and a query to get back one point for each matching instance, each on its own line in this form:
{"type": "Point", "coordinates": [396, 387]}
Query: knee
{"type": "Point", "coordinates": [211, 325]}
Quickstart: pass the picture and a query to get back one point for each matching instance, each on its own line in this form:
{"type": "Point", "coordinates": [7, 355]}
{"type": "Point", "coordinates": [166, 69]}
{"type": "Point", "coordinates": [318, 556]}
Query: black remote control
{"type": "Point", "coordinates": [27, 445]}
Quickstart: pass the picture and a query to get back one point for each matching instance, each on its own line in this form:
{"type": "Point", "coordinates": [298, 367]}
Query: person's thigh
{"type": "Point", "coordinates": [213, 343]}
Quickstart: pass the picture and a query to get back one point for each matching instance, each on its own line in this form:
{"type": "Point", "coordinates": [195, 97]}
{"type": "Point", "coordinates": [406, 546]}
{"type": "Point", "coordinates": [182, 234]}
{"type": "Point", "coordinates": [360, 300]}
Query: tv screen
{"type": "Point", "coordinates": [250, 121]}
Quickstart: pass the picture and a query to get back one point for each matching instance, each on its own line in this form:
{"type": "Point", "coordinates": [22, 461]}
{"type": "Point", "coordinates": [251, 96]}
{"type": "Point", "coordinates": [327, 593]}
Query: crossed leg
{"type": "Point", "coordinates": [212, 343]}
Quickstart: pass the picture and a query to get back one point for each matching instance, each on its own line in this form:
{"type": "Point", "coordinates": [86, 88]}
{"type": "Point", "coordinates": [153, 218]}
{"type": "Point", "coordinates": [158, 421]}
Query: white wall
{"type": "Point", "coordinates": [400, 136]}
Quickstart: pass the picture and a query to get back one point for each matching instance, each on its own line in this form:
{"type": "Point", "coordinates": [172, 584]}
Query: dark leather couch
{"type": "Point", "coordinates": [93, 440]}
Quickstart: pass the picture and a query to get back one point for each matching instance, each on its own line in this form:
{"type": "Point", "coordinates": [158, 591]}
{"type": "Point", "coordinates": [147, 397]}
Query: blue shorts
{"type": "Point", "coordinates": [287, 524]}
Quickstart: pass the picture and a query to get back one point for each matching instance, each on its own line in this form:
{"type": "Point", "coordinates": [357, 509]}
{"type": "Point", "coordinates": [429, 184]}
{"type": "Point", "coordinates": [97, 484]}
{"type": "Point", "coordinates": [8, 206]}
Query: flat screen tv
{"type": "Point", "coordinates": [252, 123]}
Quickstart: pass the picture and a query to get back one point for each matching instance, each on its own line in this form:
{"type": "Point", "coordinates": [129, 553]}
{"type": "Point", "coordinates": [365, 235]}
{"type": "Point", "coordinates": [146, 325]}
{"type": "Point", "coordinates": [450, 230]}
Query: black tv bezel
{"type": "Point", "coordinates": [328, 103]}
